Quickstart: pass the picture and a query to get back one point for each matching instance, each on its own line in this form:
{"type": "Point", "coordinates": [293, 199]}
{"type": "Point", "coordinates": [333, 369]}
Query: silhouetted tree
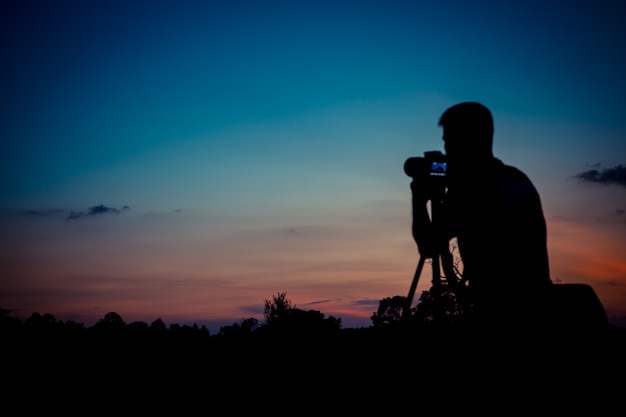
{"type": "Point", "coordinates": [112, 319]}
{"type": "Point", "coordinates": [389, 311]}
{"type": "Point", "coordinates": [8, 322]}
{"type": "Point", "coordinates": [187, 333]}
{"type": "Point", "coordinates": [73, 329]}
{"type": "Point", "coordinates": [38, 322]}
{"type": "Point", "coordinates": [313, 321]}
{"type": "Point", "coordinates": [110, 325]}
{"type": "Point", "coordinates": [249, 325]}
{"type": "Point", "coordinates": [246, 328]}
{"type": "Point", "coordinates": [138, 328]}
{"type": "Point", "coordinates": [233, 330]}
{"type": "Point", "coordinates": [277, 309]}
{"type": "Point", "coordinates": [74, 325]}
{"type": "Point", "coordinates": [158, 326]}
{"type": "Point", "coordinates": [282, 316]}
{"type": "Point", "coordinates": [441, 304]}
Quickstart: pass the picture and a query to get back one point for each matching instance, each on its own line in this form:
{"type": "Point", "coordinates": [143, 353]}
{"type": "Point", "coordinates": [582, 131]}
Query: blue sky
{"type": "Point", "coordinates": [240, 148]}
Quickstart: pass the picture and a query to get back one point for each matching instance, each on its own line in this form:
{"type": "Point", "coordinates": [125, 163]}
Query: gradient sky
{"type": "Point", "coordinates": [187, 160]}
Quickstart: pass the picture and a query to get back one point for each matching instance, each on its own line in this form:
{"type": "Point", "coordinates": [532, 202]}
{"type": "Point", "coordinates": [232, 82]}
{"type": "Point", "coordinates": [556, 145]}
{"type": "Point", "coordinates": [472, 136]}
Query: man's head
{"type": "Point", "coordinates": [467, 131]}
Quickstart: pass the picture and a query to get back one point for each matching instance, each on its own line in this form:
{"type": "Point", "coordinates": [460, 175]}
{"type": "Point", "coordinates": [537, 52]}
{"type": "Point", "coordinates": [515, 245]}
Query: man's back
{"type": "Point", "coordinates": [497, 218]}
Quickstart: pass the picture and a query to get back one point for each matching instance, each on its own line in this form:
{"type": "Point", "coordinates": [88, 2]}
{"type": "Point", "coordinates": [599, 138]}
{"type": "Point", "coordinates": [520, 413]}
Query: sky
{"type": "Point", "coordinates": [188, 160]}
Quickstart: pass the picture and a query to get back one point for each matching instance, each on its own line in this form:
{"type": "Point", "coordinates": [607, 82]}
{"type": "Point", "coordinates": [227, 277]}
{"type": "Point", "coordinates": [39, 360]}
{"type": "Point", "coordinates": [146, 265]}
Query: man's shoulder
{"type": "Point", "coordinates": [510, 172]}
{"type": "Point", "coordinates": [517, 181]}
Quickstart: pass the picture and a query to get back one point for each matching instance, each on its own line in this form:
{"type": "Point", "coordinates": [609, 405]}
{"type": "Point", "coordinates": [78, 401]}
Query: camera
{"type": "Point", "coordinates": [431, 167]}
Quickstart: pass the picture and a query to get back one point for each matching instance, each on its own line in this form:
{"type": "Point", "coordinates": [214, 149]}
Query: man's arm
{"type": "Point", "coordinates": [422, 227]}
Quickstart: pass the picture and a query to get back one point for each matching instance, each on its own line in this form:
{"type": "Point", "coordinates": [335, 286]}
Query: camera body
{"type": "Point", "coordinates": [430, 172]}
{"type": "Point", "coordinates": [431, 167]}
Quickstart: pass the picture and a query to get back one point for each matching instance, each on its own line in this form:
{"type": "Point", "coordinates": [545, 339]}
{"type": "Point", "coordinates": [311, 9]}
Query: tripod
{"type": "Point", "coordinates": [442, 259]}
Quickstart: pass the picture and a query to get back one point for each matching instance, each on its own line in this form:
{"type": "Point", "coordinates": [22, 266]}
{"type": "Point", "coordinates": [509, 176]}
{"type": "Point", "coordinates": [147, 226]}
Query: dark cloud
{"type": "Point", "coordinates": [614, 175]}
{"type": "Point", "coordinates": [98, 210]}
{"type": "Point", "coordinates": [252, 309]}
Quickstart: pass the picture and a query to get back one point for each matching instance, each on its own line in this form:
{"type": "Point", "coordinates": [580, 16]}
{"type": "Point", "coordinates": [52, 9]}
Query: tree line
{"type": "Point", "coordinates": [280, 316]}
{"type": "Point", "coordinates": [438, 315]}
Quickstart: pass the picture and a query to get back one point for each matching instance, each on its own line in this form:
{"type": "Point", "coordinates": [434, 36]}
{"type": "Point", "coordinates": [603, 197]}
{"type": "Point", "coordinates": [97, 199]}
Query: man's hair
{"type": "Point", "coordinates": [472, 119]}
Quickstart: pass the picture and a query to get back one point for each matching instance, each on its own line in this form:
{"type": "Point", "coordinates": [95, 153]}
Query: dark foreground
{"type": "Point", "coordinates": [374, 370]}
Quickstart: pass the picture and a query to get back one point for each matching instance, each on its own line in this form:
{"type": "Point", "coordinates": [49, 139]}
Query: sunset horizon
{"type": "Point", "coordinates": [189, 161]}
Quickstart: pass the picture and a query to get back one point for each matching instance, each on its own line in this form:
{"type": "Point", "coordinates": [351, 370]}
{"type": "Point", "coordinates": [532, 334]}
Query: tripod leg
{"type": "Point", "coordinates": [406, 310]}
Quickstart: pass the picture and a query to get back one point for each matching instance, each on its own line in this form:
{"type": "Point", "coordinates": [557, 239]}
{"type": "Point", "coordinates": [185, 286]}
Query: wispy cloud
{"type": "Point", "coordinates": [614, 175]}
{"type": "Point", "coordinates": [40, 212]}
{"type": "Point", "coordinates": [368, 302]}
{"type": "Point", "coordinates": [98, 210]}
{"type": "Point", "coordinates": [312, 303]}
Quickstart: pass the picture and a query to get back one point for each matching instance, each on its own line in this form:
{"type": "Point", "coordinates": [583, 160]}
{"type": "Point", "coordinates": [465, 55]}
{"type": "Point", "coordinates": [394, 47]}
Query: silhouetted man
{"type": "Point", "coordinates": [495, 213]}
